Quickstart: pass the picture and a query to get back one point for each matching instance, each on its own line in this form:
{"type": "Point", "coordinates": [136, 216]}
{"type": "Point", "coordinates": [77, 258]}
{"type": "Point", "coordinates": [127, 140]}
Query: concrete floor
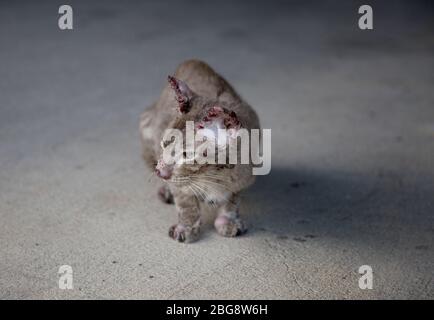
{"type": "Point", "coordinates": [352, 180]}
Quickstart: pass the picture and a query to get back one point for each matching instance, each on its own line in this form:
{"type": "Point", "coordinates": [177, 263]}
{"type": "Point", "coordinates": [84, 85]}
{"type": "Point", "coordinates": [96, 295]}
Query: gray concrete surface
{"type": "Point", "coordinates": [352, 119]}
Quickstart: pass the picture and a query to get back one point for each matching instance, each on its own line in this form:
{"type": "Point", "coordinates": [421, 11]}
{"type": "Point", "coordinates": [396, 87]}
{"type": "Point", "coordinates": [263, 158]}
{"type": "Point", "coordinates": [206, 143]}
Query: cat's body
{"type": "Point", "coordinates": [197, 93]}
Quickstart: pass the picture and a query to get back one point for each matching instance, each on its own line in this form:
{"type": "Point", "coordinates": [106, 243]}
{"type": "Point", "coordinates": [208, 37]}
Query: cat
{"type": "Point", "coordinates": [197, 93]}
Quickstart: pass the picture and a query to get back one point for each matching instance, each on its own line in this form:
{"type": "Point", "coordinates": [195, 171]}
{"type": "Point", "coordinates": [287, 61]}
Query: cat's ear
{"type": "Point", "coordinates": [227, 119]}
{"type": "Point", "coordinates": [183, 93]}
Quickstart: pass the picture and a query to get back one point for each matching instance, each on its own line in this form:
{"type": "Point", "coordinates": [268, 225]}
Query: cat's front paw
{"type": "Point", "coordinates": [229, 227]}
{"type": "Point", "coordinates": [184, 233]}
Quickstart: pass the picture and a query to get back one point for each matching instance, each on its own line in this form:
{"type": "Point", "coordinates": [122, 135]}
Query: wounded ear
{"type": "Point", "coordinates": [183, 93]}
{"type": "Point", "coordinates": [219, 118]}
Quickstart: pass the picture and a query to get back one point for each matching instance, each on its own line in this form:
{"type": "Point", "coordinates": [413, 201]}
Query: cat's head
{"type": "Point", "coordinates": [204, 117]}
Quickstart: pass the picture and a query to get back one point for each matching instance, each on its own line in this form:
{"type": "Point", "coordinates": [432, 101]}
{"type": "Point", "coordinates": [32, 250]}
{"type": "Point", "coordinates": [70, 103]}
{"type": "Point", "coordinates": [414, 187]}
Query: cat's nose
{"type": "Point", "coordinates": [163, 174]}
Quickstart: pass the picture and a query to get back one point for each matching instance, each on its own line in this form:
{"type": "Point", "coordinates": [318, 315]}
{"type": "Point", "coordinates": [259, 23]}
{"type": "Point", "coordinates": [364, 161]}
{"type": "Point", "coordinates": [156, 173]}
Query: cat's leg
{"type": "Point", "coordinates": [165, 195]}
{"type": "Point", "coordinates": [228, 222]}
{"type": "Point", "coordinates": [188, 227]}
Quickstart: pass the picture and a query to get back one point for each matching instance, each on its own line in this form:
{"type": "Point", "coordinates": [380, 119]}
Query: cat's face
{"type": "Point", "coordinates": [201, 155]}
{"type": "Point", "coordinates": [190, 166]}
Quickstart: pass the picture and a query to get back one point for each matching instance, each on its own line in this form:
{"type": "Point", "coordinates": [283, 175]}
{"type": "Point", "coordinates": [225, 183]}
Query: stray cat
{"type": "Point", "coordinates": [197, 93]}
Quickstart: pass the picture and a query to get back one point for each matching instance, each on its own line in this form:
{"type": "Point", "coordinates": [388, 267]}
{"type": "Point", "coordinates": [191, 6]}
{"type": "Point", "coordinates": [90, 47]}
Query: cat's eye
{"type": "Point", "coordinates": [165, 143]}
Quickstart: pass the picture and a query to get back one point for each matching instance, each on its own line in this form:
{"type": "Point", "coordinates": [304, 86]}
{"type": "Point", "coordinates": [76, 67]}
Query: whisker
{"type": "Point", "coordinates": [179, 179]}
{"type": "Point", "coordinates": [217, 177]}
{"type": "Point", "coordinates": [201, 190]}
{"type": "Point", "coordinates": [194, 192]}
{"type": "Point", "coordinates": [200, 194]}
{"type": "Point", "coordinates": [218, 194]}
{"type": "Point", "coordinates": [207, 181]}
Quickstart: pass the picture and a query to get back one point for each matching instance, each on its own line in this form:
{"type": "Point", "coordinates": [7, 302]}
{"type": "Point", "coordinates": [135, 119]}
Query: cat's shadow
{"type": "Point", "coordinates": [304, 204]}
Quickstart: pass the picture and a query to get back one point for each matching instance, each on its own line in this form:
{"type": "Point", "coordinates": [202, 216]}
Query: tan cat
{"type": "Point", "coordinates": [197, 93]}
